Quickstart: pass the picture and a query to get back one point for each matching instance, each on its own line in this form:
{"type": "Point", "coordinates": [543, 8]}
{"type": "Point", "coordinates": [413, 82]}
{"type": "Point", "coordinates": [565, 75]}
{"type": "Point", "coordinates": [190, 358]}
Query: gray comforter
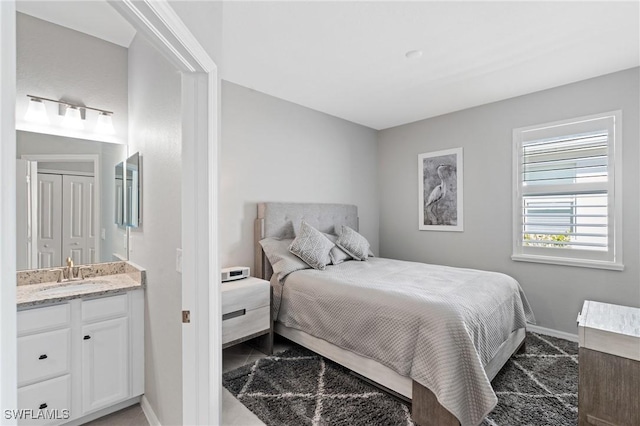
{"type": "Point", "coordinates": [436, 324]}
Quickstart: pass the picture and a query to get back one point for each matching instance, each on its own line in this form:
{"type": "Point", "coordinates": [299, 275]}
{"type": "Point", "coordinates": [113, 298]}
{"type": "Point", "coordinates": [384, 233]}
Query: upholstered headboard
{"type": "Point", "coordinates": [278, 220]}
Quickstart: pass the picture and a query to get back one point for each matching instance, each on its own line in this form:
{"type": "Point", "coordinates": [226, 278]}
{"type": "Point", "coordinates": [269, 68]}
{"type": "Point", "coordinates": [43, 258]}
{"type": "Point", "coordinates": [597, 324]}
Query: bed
{"type": "Point", "coordinates": [438, 345]}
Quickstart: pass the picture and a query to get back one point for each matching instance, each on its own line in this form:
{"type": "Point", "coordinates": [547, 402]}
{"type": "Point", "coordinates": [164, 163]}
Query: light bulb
{"type": "Point", "coordinates": [73, 118]}
{"type": "Point", "coordinates": [105, 124]}
{"type": "Point", "coordinates": [36, 112]}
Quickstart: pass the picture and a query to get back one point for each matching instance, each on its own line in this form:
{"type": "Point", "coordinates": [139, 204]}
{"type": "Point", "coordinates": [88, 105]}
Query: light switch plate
{"type": "Point", "coordinates": [179, 260]}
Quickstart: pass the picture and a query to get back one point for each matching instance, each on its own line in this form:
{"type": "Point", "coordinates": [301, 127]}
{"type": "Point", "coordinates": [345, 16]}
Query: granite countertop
{"type": "Point", "coordinates": [37, 288]}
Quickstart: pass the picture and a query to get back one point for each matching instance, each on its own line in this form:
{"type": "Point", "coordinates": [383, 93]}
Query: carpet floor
{"type": "Point", "coordinates": [299, 387]}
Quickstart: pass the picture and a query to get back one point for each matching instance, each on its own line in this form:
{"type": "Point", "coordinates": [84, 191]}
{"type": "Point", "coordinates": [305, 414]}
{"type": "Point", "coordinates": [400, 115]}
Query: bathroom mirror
{"type": "Point", "coordinates": [65, 199]}
{"type": "Point", "coordinates": [118, 202]}
{"type": "Point", "coordinates": [133, 201]}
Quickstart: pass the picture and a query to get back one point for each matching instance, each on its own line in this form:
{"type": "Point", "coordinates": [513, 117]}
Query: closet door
{"type": "Point", "coordinates": [49, 220]}
{"type": "Point", "coordinates": [78, 227]}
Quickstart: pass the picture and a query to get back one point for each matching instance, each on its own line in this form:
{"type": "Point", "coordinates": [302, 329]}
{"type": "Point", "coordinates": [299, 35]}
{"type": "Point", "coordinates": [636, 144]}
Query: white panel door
{"type": "Point", "coordinates": [26, 214]}
{"type": "Point", "coordinates": [105, 364]}
{"type": "Point", "coordinates": [49, 220]}
{"type": "Point", "coordinates": [78, 228]}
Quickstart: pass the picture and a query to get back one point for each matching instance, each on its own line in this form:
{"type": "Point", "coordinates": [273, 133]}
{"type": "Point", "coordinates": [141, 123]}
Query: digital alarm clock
{"type": "Point", "coordinates": [234, 273]}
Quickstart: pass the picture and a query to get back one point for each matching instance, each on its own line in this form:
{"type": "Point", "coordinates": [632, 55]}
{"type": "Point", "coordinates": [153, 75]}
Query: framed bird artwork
{"type": "Point", "coordinates": [440, 181]}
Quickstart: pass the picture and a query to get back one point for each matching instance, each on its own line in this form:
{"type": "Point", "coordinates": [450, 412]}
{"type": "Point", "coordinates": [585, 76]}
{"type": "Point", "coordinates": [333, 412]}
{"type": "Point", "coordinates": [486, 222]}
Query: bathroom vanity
{"type": "Point", "coordinates": [80, 343]}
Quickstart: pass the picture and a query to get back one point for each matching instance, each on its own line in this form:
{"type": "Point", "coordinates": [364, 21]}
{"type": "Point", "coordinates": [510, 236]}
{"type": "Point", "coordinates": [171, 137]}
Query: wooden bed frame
{"type": "Point", "coordinates": [277, 220]}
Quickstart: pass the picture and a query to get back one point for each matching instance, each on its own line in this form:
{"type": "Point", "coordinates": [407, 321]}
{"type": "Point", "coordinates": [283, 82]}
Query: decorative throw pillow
{"type": "Point", "coordinates": [336, 254]}
{"type": "Point", "coordinates": [312, 246]}
{"type": "Point", "coordinates": [282, 261]}
{"type": "Point", "coordinates": [353, 243]}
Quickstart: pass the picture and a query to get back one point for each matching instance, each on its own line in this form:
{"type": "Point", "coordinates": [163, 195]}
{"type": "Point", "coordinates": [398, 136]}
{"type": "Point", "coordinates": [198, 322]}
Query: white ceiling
{"type": "Point", "coordinates": [93, 17]}
{"type": "Point", "coordinates": [348, 59]}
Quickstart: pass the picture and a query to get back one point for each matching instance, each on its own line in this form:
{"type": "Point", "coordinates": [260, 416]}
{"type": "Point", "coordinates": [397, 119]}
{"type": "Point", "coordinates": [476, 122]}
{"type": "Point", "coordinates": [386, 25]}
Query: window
{"type": "Point", "coordinates": [568, 204]}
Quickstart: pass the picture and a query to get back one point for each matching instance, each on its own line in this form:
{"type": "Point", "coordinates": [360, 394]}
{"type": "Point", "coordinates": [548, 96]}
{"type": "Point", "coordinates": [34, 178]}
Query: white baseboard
{"type": "Point", "coordinates": [148, 412]}
{"type": "Point", "coordinates": [552, 333]}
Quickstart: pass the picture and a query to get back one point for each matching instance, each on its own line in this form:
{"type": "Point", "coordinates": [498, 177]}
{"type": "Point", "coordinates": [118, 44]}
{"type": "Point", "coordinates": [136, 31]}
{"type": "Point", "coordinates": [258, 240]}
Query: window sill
{"type": "Point", "coordinates": [596, 264]}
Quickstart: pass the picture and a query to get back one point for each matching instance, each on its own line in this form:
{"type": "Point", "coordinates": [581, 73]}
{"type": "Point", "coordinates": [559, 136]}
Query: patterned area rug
{"type": "Point", "coordinates": [299, 387]}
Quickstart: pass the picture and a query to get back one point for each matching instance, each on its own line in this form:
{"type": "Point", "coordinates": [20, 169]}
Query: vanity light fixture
{"type": "Point", "coordinates": [36, 112]}
{"type": "Point", "coordinates": [73, 115]}
{"type": "Point", "coordinates": [105, 124]}
{"type": "Point", "coordinates": [73, 118]}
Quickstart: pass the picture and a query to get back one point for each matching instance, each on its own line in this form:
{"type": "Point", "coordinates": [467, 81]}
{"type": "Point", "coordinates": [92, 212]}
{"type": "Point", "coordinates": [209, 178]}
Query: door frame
{"type": "Point", "coordinates": [97, 179]}
{"type": "Point", "coordinates": [8, 335]}
{"type": "Point", "coordinates": [201, 339]}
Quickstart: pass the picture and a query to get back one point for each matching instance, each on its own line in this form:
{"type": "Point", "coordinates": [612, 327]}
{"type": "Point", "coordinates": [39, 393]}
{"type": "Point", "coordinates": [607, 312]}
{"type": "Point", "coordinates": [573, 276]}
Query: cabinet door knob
{"type": "Point", "coordinates": [43, 406]}
{"type": "Point", "coordinates": [43, 356]}
{"type": "Point", "coordinates": [87, 337]}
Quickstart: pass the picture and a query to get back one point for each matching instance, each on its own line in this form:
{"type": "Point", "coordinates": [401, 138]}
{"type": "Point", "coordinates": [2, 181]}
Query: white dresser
{"type": "Point", "coordinates": [246, 313]}
{"type": "Point", "coordinates": [609, 365]}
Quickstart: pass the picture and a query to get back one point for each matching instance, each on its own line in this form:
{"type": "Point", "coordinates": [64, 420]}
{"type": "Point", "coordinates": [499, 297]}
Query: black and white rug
{"type": "Point", "coordinates": [299, 387]}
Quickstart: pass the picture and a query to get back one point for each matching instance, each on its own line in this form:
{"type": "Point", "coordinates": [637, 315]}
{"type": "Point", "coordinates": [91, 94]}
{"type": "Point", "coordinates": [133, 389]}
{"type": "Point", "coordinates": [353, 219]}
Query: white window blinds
{"type": "Point", "coordinates": [565, 181]}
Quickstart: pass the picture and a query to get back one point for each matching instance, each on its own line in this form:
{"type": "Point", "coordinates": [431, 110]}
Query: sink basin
{"type": "Point", "coordinates": [79, 286]}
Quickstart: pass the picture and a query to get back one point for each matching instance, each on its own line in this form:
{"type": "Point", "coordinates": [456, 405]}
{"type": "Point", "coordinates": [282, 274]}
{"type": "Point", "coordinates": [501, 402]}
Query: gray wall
{"type": "Point", "coordinates": [59, 63]}
{"type": "Point", "coordinates": [274, 150]}
{"type": "Point", "coordinates": [485, 132]}
{"type": "Point", "coordinates": [155, 116]}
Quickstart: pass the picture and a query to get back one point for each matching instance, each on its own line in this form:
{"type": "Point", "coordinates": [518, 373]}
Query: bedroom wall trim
{"type": "Point", "coordinates": [553, 333]}
{"type": "Point", "coordinates": [148, 412]}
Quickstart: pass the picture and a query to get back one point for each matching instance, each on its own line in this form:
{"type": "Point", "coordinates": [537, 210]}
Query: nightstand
{"type": "Point", "coordinates": [246, 313]}
{"type": "Point", "coordinates": [609, 365]}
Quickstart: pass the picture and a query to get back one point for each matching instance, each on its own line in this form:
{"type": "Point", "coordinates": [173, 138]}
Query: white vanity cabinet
{"type": "Point", "coordinates": [81, 359]}
{"type": "Point", "coordinates": [44, 363]}
{"type": "Point", "coordinates": [105, 352]}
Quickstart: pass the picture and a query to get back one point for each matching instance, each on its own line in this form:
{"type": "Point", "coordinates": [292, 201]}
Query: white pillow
{"type": "Point", "coordinates": [312, 247]}
{"type": "Point", "coordinates": [353, 243]}
{"type": "Point", "coordinates": [282, 261]}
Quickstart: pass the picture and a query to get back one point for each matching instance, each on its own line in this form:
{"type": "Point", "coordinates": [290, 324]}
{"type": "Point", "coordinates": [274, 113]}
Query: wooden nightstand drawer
{"type": "Point", "coordinates": [246, 324]}
{"type": "Point", "coordinates": [250, 293]}
{"type": "Point", "coordinates": [246, 313]}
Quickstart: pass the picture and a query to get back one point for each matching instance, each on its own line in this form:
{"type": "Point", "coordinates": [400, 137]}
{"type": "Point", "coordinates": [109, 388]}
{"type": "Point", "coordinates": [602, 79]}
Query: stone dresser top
{"type": "Point", "coordinates": [40, 286]}
{"type": "Point", "coordinates": [611, 329]}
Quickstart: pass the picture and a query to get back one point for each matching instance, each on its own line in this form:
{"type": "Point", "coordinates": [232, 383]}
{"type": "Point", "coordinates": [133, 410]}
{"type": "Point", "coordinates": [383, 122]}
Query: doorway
{"type": "Point", "coordinates": [200, 284]}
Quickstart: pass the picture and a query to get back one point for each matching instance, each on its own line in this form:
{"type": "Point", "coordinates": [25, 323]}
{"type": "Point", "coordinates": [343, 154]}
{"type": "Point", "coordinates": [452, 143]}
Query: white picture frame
{"type": "Point", "coordinates": [440, 191]}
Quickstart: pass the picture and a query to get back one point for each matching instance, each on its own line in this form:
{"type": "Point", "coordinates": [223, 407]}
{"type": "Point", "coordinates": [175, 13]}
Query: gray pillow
{"type": "Point", "coordinates": [312, 246]}
{"type": "Point", "coordinates": [353, 243]}
{"type": "Point", "coordinates": [282, 261]}
{"type": "Point", "coordinates": [336, 254]}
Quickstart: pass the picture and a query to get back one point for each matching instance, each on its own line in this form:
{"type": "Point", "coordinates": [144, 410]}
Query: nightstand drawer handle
{"type": "Point", "coordinates": [234, 314]}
